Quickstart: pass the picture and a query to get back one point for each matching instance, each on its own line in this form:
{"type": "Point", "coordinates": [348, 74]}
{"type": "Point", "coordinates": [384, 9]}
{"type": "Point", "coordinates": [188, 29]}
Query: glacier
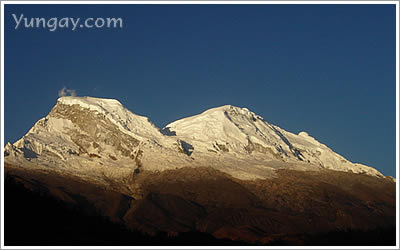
{"type": "Point", "coordinates": [98, 139]}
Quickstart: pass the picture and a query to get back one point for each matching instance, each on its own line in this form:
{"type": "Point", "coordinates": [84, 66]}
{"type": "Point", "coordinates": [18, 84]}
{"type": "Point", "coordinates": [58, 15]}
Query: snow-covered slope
{"type": "Point", "coordinates": [113, 110]}
{"type": "Point", "coordinates": [99, 139]}
{"type": "Point", "coordinates": [95, 139]}
{"type": "Point", "coordinates": [235, 131]}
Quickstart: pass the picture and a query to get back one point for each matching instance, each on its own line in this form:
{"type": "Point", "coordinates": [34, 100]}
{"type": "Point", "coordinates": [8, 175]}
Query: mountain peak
{"type": "Point", "coordinates": [228, 107]}
{"type": "Point", "coordinates": [101, 127]}
{"type": "Point", "coordinates": [229, 112]}
{"type": "Point", "coordinates": [113, 111]}
{"type": "Point", "coordinates": [222, 108]}
{"type": "Point", "coordinates": [86, 98]}
{"type": "Point", "coordinates": [88, 102]}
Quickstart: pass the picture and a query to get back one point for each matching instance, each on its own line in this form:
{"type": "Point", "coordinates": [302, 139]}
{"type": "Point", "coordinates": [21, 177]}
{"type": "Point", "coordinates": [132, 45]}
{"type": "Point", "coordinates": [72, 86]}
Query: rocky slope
{"type": "Point", "coordinates": [225, 172]}
{"type": "Point", "coordinates": [93, 138]}
{"type": "Point", "coordinates": [288, 209]}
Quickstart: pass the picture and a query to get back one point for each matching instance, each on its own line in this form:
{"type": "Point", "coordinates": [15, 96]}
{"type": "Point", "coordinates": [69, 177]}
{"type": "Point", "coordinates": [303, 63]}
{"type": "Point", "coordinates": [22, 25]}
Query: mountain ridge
{"type": "Point", "coordinates": [225, 173]}
{"type": "Point", "coordinates": [220, 137]}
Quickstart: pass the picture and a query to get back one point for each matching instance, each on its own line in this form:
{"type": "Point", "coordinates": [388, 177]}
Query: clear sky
{"type": "Point", "coordinates": [325, 69]}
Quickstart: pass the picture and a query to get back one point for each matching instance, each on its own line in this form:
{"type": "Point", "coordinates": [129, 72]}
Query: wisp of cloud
{"type": "Point", "coordinates": [65, 92]}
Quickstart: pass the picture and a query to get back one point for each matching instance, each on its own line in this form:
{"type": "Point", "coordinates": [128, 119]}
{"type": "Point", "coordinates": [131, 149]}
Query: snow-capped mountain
{"type": "Point", "coordinates": [225, 173]}
{"type": "Point", "coordinates": [100, 139]}
{"type": "Point", "coordinates": [238, 132]}
{"type": "Point", "coordinates": [94, 139]}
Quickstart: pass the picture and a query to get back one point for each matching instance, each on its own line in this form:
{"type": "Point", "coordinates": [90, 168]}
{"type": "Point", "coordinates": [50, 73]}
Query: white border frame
{"type": "Point", "coordinates": [3, 3]}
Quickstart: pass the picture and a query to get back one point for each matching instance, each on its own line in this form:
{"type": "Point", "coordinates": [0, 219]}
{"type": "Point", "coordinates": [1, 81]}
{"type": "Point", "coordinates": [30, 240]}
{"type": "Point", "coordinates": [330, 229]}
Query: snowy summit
{"type": "Point", "coordinates": [92, 137]}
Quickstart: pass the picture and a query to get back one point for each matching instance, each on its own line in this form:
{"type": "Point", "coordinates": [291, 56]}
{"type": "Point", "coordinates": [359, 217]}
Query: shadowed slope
{"type": "Point", "coordinates": [295, 208]}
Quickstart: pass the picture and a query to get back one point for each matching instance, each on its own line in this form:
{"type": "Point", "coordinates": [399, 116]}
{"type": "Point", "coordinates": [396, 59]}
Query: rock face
{"type": "Point", "coordinates": [288, 209]}
{"type": "Point", "coordinates": [100, 136]}
{"type": "Point", "coordinates": [225, 172]}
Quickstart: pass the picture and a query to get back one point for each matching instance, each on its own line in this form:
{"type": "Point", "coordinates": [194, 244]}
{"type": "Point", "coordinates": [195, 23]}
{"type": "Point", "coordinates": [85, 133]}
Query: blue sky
{"type": "Point", "coordinates": [325, 69]}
